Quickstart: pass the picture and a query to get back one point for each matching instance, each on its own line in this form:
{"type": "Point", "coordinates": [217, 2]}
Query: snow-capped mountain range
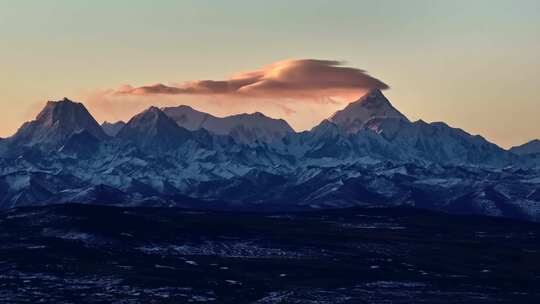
{"type": "Point", "coordinates": [366, 154]}
{"type": "Point", "coordinates": [244, 128]}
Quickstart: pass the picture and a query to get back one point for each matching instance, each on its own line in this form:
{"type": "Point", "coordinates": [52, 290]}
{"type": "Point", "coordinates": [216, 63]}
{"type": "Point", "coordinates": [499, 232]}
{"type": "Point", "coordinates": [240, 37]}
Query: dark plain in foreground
{"type": "Point", "coordinates": [99, 254]}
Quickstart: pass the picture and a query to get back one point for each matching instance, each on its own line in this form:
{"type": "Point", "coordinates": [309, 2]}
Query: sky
{"type": "Point", "coordinates": [473, 64]}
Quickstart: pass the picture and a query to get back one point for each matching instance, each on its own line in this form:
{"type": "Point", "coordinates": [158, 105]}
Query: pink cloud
{"type": "Point", "coordinates": [304, 92]}
{"type": "Point", "coordinates": [297, 78]}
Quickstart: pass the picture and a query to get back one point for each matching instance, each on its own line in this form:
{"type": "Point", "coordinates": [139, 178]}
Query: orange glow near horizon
{"type": "Point", "coordinates": [476, 69]}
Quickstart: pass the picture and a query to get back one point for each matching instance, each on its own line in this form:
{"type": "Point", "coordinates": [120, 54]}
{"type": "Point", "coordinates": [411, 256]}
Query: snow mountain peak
{"type": "Point", "coordinates": [56, 123]}
{"type": "Point", "coordinates": [153, 129]}
{"type": "Point", "coordinates": [152, 120]}
{"type": "Point", "coordinates": [374, 104]}
{"type": "Point", "coordinates": [244, 160]}
{"type": "Point", "coordinates": [63, 111]}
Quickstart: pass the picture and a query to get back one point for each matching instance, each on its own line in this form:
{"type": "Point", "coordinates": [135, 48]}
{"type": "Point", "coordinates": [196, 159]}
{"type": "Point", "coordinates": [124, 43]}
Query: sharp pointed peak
{"type": "Point", "coordinates": [152, 129]}
{"type": "Point", "coordinates": [56, 122]}
{"type": "Point", "coordinates": [372, 98]}
{"type": "Point", "coordinates": [62, 109]}
{"type": "Point", "coordinates": [56, 109]}
{"type": "Point", "coordinates": [373, 93]}
{"type": "Point", "coordinates": [357, 113]}
{"type": "Point", "coordinates": [151, 115]}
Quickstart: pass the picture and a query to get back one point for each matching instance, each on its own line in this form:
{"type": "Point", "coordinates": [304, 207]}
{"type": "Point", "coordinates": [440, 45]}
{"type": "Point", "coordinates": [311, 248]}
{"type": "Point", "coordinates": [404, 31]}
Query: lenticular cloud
{"type": "Point", "coordinates": [297, 78]}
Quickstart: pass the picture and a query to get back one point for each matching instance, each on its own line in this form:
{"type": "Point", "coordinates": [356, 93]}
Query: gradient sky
{"type": "Point", "coordinates": [472, 64]}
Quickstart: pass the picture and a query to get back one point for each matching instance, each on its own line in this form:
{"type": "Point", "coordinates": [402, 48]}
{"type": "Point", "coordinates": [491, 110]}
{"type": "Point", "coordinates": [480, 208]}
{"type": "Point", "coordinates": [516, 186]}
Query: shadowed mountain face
{"type": "Point", "coordinates": [81, 144]}
{"type": "Point", "coordinates": [154, 130]}
{"type": "Point", "coordinates": [530, 148]}
{"type": "Point", "coordinates": [56, 123]}
{"type": "Point", "coordinates": [112, 129]}
{"type": "Point", "coordinates": [367, 154]}
{"type": "Point", "coordinates": [3, 146]}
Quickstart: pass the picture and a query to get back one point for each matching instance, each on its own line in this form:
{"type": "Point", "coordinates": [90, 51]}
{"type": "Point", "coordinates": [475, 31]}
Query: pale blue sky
{"type": "Point", "coordinates": [473, 64]}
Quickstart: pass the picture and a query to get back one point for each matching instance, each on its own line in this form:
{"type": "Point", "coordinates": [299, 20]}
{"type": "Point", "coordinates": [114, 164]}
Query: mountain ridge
{"type": "Point", "coordinates": [153, 129]}
{"type": "Point", "coordinates": [528, 148]}
{"type": "Point", "coordinates": [383, 160]}
{"type": "Point", "coordinates": [246, 128]}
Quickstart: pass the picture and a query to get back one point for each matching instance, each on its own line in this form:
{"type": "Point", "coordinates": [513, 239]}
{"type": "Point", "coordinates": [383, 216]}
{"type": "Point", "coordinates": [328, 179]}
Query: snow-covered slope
{"type": "Point", "coordinates": [353, 117]}
{"type": "Point", "coordinates": [245, 128]}
{"type": "Point", "coordinates": [396, 139]}
{"type": "Point", "coordinates": [532, 147]}
{"type": "Point", "coordinates": [372, 127]}
{"type": "Point", "coordinates": [112, 129]}
{"type": "Point", "coordinates": [55, 123]}
{"type": "Point", "coordinates": [438, 142]}
{"type": "Point", "coordinates": [368, 154]}
{"type": "Point", "coordinates": [153, 130]}
{"type": "Point", "coordinates": [187, 117]}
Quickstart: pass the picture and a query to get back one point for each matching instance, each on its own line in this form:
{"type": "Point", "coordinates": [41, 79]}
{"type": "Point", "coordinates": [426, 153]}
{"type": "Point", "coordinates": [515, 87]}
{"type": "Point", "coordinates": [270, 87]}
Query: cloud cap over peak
{"type": "Point", "coordinates": [294, 78]}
